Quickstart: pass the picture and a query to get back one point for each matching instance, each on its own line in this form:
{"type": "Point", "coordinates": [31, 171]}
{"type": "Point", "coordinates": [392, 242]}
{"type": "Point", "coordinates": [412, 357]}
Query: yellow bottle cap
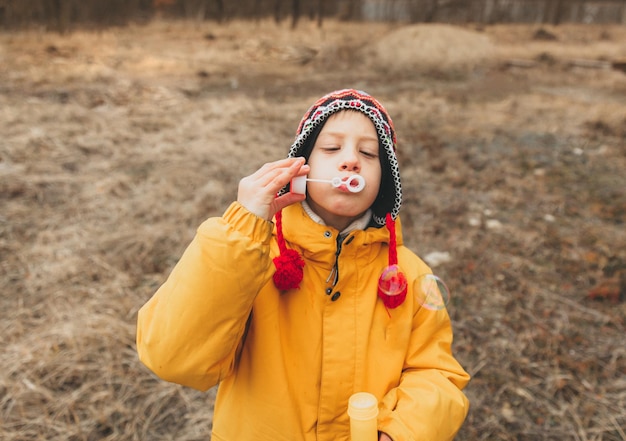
{"type": "Point", "coordinates": [362, 406]}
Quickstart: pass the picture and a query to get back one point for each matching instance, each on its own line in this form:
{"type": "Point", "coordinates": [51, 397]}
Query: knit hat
{"type": "Point", "coordinates": [385, 208]}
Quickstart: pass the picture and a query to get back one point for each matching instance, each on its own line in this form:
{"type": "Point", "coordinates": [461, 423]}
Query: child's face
{"type": "Point", "coordinates": [346, 145]}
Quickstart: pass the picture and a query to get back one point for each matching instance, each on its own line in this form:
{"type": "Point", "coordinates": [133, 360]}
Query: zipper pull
{"type": "Point", "coordinates": [332, 272]}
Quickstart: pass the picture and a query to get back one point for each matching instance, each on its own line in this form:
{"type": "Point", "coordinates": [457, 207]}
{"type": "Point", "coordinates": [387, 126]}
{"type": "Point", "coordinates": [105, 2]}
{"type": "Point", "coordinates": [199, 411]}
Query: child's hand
{"type": "Point", "coordinates": [384, 437]}
{"type": "Point", "coordinates": [257, 192]}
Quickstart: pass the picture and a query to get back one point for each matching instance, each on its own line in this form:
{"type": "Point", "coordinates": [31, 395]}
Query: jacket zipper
{"type": "Point", "coordinates": [334, 272]}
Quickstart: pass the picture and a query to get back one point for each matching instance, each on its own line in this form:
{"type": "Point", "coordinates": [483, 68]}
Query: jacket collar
{"type": "Point", "coordinates": [318, 242]}
{"type": "Point", "coordinates": [358, 224]}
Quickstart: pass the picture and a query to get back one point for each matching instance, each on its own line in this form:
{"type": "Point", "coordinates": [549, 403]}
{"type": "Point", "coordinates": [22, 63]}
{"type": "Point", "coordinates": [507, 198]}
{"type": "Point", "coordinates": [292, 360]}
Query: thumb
{"type": "Point", "coordinates": [287, 199]}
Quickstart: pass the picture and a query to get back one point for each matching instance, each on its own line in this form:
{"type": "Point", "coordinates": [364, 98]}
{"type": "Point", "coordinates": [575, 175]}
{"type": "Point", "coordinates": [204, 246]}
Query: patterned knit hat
{"type": "Point", "coordinates": [385, 208]}
{"type": "Point", "coordinates": [389, 197]}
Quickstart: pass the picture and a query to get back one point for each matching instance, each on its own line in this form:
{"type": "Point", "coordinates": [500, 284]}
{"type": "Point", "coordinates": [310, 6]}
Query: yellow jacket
{"type": "Point", "coordinates": [287, 362]}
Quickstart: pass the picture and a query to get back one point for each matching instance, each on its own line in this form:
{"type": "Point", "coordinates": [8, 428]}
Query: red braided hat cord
{"type": "Point", "coordinates": [393, 250]}
{"type": "Point", "coordinates": [289, 264]}
{"type": "Point", "coordinates": [392, 301]}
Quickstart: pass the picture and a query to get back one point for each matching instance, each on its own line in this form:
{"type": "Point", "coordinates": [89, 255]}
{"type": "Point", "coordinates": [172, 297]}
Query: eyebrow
{"type": "Point", "coordinates": [342, 135]}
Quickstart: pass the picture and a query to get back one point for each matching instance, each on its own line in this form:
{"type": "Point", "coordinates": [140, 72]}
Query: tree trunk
{"type": "Point", "coordinates": [431, 11]}
{"type": "Point", "coordinates": [295, 13]}
{"type": "Point", "coordinates": [320, 13]}
{"type": "Point", "coordinates": [558, 12]}
{"type": "Point", "coordinates": [221, 12]}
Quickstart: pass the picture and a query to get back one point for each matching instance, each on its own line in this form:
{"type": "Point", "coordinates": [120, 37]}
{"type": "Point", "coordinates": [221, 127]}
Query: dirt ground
{"type": "Point", "coordinates": [116, 144]}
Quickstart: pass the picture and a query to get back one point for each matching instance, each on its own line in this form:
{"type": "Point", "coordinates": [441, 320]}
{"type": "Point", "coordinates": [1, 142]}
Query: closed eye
{"type": "Point", "coordinates": [369, 154]}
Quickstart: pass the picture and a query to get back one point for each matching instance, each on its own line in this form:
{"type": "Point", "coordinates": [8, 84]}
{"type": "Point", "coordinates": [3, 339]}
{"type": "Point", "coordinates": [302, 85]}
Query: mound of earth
{"type": "Point", "coordinates": [430, 47]}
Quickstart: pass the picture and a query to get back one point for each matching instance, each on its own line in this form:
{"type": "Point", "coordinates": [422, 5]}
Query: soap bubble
{"type": "Point", "coordinates": [392, 281]}
{"type": "Point", "coordinates": [433, 294]}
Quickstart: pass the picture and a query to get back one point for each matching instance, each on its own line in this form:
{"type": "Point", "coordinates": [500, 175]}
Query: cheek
{"type": "Point", "coordinates": [373, 186]}
{"type": "Point", "coordinates": [315, 191]}
{"type": "Point", "coordinates": [373, 179]}
{"type": "Point", "coordinates": [317, 168]}
{"type": "Point", "coordinates": [372, 194]}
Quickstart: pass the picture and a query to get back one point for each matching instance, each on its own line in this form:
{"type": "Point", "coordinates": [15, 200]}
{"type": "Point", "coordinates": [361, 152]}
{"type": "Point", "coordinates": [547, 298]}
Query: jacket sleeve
{"type": "Point", "coordinates": [428, 404]}
{"type": "Point", "coordinates": [189, 331]}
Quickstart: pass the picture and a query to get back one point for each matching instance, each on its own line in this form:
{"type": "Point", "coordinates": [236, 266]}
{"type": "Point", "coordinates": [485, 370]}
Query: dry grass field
{"type": "Point", "coordinates": [116, 144]}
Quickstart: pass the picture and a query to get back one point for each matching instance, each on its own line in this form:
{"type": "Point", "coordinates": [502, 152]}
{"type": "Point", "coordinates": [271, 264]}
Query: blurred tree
{"type": "Point", "coordinates": [346, 10]}
{"type": "Point", "coordinates": [321, 10]}
{"type": "Point", "coordinates": [62, 15]}
{"type": "Point", "coordinates": [221, 13]}
{"type": "Point", "coordinates": [553, 11]}
{"type": "Point", "coordinates": [162, 7]}
{"type": "Point", "coordinates": [58, 14]}
{"type": "Point", "coordinates": [194, 9]}
{"type": "Point", "coordinates": [277, 11]}
{"type": "Point", "coordinates": [295, 13]}
{"type": "Point", "coordinates": [422, 11]}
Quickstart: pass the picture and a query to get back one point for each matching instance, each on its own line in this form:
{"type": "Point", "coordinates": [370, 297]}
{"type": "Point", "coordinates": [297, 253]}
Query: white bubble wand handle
{"type": "Point", "coordinates": [354, 183]}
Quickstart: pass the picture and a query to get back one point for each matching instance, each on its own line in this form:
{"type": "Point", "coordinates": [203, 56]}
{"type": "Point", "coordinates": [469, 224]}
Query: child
{"type": "Point", "coordinates": [288, 316]}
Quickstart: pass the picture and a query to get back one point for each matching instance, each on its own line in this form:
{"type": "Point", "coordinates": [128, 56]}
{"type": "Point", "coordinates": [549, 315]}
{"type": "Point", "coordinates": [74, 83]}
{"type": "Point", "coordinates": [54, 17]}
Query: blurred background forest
{"type": "Point", "coordinates": [126, 123]}
{"type": "Point", "coordinates": [63, 15]}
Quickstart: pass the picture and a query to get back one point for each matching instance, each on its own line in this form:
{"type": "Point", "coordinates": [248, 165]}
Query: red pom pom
{"type": "Point", "coordinates": [289, 272]}
{"type": "Point", "coordinates": [392, 286]}
{"type": "Point", "coordinates": [393, 301]}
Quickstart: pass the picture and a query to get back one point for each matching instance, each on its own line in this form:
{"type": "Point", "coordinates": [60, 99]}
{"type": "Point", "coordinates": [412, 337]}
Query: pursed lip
{"type": "Point", "coordinates": [344, 184]}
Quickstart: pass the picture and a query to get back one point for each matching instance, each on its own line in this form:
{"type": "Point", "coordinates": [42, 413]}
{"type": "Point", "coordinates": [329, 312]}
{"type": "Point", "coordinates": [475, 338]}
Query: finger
{"type": "Point", "coordinates": [275, 166]}
{"type": "Point", "coordinates": [264, 177]}
{"type": "Point", "coordinates": [304, 170]}
{"type": "Point", "coordinates": [277, 178]}
{"type": "Point", "coordinates": [287, 199]}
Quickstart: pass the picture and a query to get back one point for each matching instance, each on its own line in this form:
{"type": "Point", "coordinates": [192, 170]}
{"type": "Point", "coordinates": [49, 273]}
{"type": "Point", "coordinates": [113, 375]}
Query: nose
{"type": "Point", "coordinates": [350, 161]}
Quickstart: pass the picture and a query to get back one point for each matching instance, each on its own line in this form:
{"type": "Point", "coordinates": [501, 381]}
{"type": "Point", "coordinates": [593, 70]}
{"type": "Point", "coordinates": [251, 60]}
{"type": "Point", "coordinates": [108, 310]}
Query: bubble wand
{"type": "Point", "coordinates": [354, 183]}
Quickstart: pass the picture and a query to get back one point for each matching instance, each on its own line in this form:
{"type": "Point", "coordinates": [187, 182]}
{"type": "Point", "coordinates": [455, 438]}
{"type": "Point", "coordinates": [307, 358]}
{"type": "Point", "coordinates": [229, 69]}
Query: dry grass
{"type": "Point", "coordinates": [116, 145]}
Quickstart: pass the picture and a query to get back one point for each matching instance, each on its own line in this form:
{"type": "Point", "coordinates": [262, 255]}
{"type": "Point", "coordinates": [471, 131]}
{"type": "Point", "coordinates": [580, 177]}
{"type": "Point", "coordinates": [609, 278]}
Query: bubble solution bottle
{"type": "Point", "coordinates": [363, 413]}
